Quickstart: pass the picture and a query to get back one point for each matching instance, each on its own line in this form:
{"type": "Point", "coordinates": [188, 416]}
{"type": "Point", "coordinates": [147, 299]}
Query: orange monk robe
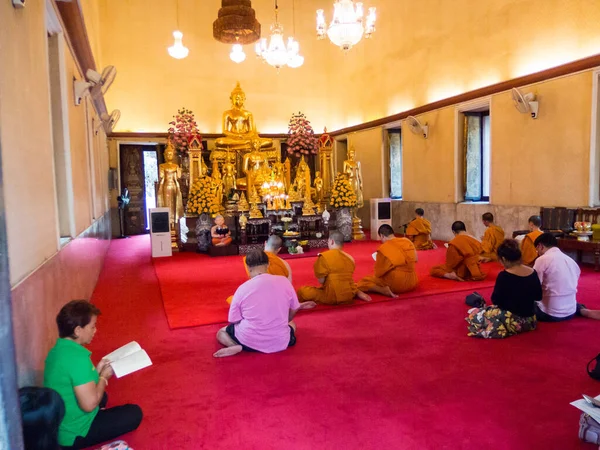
{"type": "Point", "coordinates": [419, 231]}
{"type": "Point", "coordinates": [492, 238]}
{"type": "Point", "coordinates": [462, 257]}
{"type": "Point", "coordinates": [337, 268]}
{"type": "Point", "coordinates": [221, 242]}
{"type": "Point", "coordinates": [394, 267]}
{"type": "Point", "coordinates": [277, 266]}
{"type": "Point", "coordinates": [528, 251]}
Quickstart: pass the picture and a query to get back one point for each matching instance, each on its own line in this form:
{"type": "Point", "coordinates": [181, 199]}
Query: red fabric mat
{"type": "Point", "coordinates": [194, 287]}
{"type": "Point", "coordinates": [398, 375]}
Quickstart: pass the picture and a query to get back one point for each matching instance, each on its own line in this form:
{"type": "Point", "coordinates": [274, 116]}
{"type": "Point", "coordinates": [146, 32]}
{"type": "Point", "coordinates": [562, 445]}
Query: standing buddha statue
{"type": "Point", "coordinates": [229, 181]}
{"type": "Point", "coordinates": [169, 191]}
{"type": "Point", "coordinates": [353, 170]}
{"type": "Point", "coordinates": [255, 166]}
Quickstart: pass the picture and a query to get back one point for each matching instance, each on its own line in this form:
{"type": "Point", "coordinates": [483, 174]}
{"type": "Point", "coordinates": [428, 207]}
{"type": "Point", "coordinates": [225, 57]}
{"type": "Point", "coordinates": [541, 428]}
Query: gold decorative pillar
{"type": "Point", "coordinates": [326, 164]}
{"type": "Point", "coordinates": [198, 168]}
{"type": "Point", "coordinates": [357, 232]}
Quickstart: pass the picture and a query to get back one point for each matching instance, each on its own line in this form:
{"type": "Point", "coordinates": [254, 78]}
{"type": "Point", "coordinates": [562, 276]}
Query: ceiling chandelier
{"type": "Point", "coordinates": [236, 23]}
{"type": "Point", "coordinates": [275, 52]}
{"type": "Point", "coordinates": [348, 25]}
{"type": "Point", "coordinates": [178, 50]}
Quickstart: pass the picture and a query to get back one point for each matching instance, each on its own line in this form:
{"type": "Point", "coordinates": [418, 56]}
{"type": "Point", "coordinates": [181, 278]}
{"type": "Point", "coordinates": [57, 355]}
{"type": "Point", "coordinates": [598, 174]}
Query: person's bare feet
{"type": "Point", "coordinates": [365, 297]}
{"type": "Point", "coordinates": [453, 276]}
{"type": "Point", "coordinates": [228, 351]}
{"type": "Point", "coordinates": [388, 292]}
{"type": "Point", "coordinates": [307, 305]}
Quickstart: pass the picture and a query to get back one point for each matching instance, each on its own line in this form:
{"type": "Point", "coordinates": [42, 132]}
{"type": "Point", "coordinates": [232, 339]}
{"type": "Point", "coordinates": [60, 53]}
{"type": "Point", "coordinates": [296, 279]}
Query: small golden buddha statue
{"type": "Point", "coordinates": [217, 186]}
{"type": "Point", "coordinates": [229, 181]}
{"type": "Point", "coordinates": [169, 191]}
{"type": "Point", "coordinates": [238, 126]}
{"type": "Point", "coordinates": [256, 167]}
{"type": "Point", "coordinates": [243, 203]}
{"type": "Point", "coordinates": [318, 185]}
{"type": "Point", "coordinates": [354, 172]}
{"type": "Point", "coordinates": [300, 179]}
{"type": "Point", "coordinates": [279, 171]}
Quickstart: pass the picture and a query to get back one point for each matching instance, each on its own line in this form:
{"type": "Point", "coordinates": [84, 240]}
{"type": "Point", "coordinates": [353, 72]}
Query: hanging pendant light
{"type": "Point", "coordinates": [275, 52]}
{"type": "Point", "coordinates": [348, 25]}
{"type": "Point", "coordinates": [237, 54]}
{"type": "Point", "coordinates": [178, 50]}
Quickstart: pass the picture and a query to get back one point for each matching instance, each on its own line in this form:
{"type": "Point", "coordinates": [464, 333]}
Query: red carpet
{"type": "Point", "coordinates": [398, 375]}
{"type": "Point", "coordinates": [194, 287]}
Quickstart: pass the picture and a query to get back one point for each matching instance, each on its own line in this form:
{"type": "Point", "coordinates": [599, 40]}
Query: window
{"type": "Point", "coordinates": [395, 144]}
{"type": "Point", "coordinates": [477, 156]}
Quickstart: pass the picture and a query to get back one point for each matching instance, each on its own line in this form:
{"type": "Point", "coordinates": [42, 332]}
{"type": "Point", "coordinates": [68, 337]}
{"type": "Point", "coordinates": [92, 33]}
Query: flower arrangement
{"type": "Point", "coordinates": [301, 136]}
{"type": "Point", "coordinates": [183, 128]}
{"type": "Point", "coordinates": [342, 194]}
{"type": "Point", "coordinates": [202, 198]}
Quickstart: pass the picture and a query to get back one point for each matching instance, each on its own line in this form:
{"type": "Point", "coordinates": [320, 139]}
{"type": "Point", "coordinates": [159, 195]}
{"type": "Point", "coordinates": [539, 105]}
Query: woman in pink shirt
{"type": "Point", "coordinates": [261, 312]}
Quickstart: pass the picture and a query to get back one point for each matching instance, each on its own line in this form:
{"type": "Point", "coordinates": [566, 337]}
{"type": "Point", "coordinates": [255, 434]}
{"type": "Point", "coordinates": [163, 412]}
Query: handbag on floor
{"type": "Point", "coordinates": [476, 300]}
{"type": "Point", "coordinates": [594, 372]}
{"type": "Point", "coordinates": [589, 429]}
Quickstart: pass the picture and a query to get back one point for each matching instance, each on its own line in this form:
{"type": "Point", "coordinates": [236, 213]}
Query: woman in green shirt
{"type": "Point", "coordinates": [69, 371]}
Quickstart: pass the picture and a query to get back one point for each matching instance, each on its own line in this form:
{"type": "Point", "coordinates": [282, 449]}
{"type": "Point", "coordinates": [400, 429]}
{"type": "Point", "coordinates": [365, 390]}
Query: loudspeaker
{"type": "Point", "coordinates": [160, 232]}
{"type": "Point", "coordinates": [381, 213]}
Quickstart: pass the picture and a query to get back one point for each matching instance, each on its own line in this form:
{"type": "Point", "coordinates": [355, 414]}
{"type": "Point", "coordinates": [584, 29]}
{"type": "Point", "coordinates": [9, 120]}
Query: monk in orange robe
{"type": "Point", "coordinates": [528, 251]}
{"type": "Point", "coordinates": [334, 269]}
{"type": "Point", "coordinates": [277, 266]}
{"type": "Point", "coordinates": [419, 231]}
{"type": "Point", "coordinates": [493, 237]}
{"type": "Point", "coordinates": [394, 266]}
{"type": "Point", "coordinates": [462, 257]}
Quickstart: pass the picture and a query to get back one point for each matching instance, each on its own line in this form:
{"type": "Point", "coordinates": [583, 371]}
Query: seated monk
{"type": "Point", "coordinates": [394, 266]}
{"type": "Point", "coordinates": [277, 266]}
{"type": "Point", "coordinates": [462, 257]}
{"type": "Point", "coordinates": [493, 237]}
{"type": "Point", "coordinates": [333, 269]}
{"type": "Point", "coordinates": [418, 231]}
{"type": "Point", "coordinates": [528, 251]}
{"type": "Point", "coordinates": [220, 233]}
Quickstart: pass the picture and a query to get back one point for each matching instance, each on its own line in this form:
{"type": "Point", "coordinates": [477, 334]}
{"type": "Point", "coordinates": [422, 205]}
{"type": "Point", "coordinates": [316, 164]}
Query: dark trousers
{"type": "Point", "coordinates": [109, 423]}
{"type": "Point", "coordinates": [543, 317]}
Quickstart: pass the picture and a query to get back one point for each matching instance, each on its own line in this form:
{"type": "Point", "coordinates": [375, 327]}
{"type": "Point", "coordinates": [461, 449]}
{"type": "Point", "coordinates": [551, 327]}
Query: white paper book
{"type": "Point", "coordinates": [128, 359]}
{"type": "Point", "coordinates": [587, 408]}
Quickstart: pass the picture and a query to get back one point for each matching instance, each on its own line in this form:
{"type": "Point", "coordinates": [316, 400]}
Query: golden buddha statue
{"type": "Point", "coordinates": [238, 126]}
{"type": "Point", "coordinates": [229, 181]}
{"type": "Point", "coordinates": [217, 187]}
{"type": "Point", "coordinates": [169, 192]}
{"type": "Point", "coordinates": [279, 171]}
{"type": "Point", "coordinates": [299, 183]}
{"type": "Point", "coordinates": [353, 170]}
{"type": "Point", "coordinates": [318, 185]}
{"type": "Point", "coordinates": [255, 166]}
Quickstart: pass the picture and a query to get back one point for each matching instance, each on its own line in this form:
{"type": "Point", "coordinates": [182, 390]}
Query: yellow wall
{"type": "Point", "coordinates": [417, 55]}
{"type": "Point", "coordinates": [543, 161]}
{"type": "Point", "coordinates": [428, 164]}
{"type": "Point", "coordinates": [151, 86]}
{"type": "Point", "coordinates": [26, 139]}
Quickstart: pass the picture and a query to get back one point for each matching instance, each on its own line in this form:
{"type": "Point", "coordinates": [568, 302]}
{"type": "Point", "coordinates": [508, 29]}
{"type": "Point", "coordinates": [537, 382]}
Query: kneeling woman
{"type": "Point", "coordinates": [70, 372]}
{"type": "Point", "coordinates": [515, 293]}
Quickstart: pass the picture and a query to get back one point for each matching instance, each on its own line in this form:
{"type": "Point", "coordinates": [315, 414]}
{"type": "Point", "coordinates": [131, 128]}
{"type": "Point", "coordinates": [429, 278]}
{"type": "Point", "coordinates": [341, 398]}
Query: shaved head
{"type": "Point", "coordinates": [273, 243]}
{"type": "Point", "coordinates": [336, 237]}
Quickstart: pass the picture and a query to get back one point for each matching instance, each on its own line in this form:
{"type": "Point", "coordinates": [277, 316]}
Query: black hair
{"type": "Point", "coordinates": [385, 230]}
{"type": "Point", "coordinates": [458, 226]}
{"type": "Point", "coordinates": [42, 410]}
{"type": "Point", "coordinates": [547, 240]}
{"type": "Point", "coordinates": [76, 313]}
{"type": "Point", "coordinates": [257, 258]}
{"type": "Point", "coordinates": [509, 250]}
{"type": "Point", "coordinates": [420, 212]}
{"type": "Point", "coordinates": [536, 220]}
{"type": "Point", "coordinates": [488, 217]}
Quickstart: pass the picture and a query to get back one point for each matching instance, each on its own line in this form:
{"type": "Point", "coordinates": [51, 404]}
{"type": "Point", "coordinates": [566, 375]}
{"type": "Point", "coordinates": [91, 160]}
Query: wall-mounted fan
{"type": "Point", "coordinates": [416, 127]}
{"type": "Point", "coordinates": [525, 103]}
{"type": "Point", "coordinates": [103, 80]}
{"type": "Point", "coordinates": [111, 121]}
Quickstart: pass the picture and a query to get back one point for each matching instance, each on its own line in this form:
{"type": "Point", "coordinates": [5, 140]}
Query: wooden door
{"type": "Point", "coordinates": [133, 178]}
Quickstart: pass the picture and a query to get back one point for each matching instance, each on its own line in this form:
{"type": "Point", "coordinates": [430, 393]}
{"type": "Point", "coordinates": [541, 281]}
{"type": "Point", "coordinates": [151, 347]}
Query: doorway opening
{"type": "Point", "coordinates": [151, 177]}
